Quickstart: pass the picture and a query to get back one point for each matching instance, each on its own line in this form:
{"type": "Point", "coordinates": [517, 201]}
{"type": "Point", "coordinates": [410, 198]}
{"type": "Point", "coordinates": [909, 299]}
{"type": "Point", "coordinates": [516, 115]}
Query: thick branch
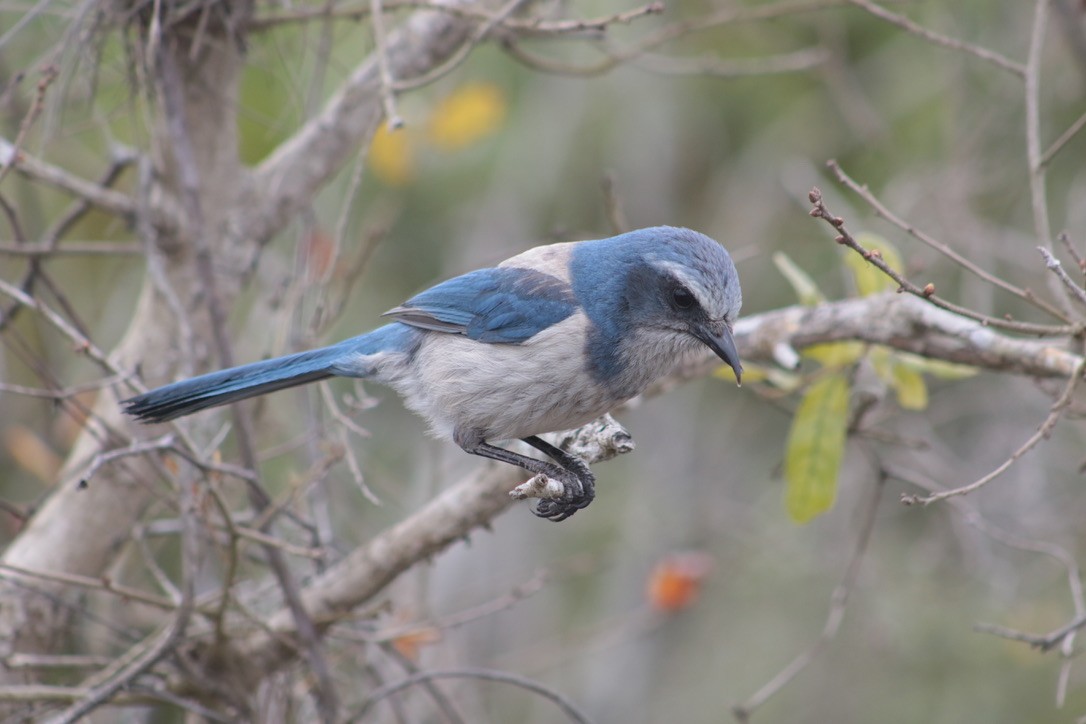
{"type": "Point", "coordinates": [906, 323]}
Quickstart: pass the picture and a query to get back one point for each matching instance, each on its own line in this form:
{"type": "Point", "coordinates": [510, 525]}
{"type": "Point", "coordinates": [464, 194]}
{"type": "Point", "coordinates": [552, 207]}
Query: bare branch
{"type": "Point", "coordinates": [834, 617]}
{"type": "Point", "coordinates": [567, 707]}
{"type": "Point", "coordinates": [885, 213]}
{"type": "Point", "coordinates": [1042, 433]}
{"type": "Point", "coordinates": [1054, 265]}
{"type": "Point", "coordinates": [106, 199]}
{"type": "Point", "coordinates": [944, 41]}
{"type": "Point", "coordinates": [927, 292]}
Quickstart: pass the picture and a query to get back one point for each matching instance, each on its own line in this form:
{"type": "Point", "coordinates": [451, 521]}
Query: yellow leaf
{"type": "Point", "coordinates": [816, 445]}
{"type": "Point", "coordinates": [912, 391]}
{"type": "Point", "coordinates": [751, 373]}
{"type": "Point", "coordinates": [869, 279]}
{"type": "Point", "coordinates": [835, 354]}
{"type": "Point", "coordinates": [806, 289]}
{"type": "Point", "coordinates": [936, 367]}
{"type": "Point", "coordinates": [471, 113]}
{"type": "Point", "coordinates": [391, 156]}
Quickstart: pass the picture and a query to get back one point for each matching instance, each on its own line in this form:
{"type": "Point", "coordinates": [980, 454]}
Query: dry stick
{"type": "Point", "coordinates": [1033, 123]}
{"type": "Point", "coordinates": [324, 689]}
{"type": "Point", "coordinates": [1012, 540]}
{"type": "Point", "coordinates": [11, 154]}
{"type": "Point", "coordinates": [1064, 239]}
{"type": "Point", "coordinates": [567, 707]}
{"type": "Point", "coordinates": [74, 248]}
{"type": "Point", "coordinates": [388, 97]}
{"type": "Point", "coordinates": [883, 212]}
{"type": "Point", "coordinates": [115, 202]}
{"type": "Point", "coordinates": [462, 52]}
{"type": "Point", "coordinates": [838, 603]}
{"type": "Point", "coordinates": [612, 204]}
{"type": "Point", "coordinates": [61, 394]}
{"type": "Point", "coordinates": [484, 610]}
{"type": "Point", "coordinates": [1042, 432]}
{"type": "Point", "coordinates": [94, 584]}
{"type": "Point", "coordinates": [1053, 264]}
{"type": "Point", "coordinates": [528, 26]}
{"type": "Point", "coordinates": [1062, 141]}
{"type": "Point", "coordinates": [820, 211]}
{"type": "Point", "coordinates": [944, 41]}
{"type": "Point", "coordinates": [82, 344]}
{"type": "Point", "coordinates": [452, 716]}
{"type": "Point", "coordinates": [616, 57]}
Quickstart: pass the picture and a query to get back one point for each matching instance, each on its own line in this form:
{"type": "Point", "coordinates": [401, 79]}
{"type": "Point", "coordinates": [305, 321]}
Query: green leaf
{"type": "Point", "coordinates": [806, 289]}
{"type": "Point", "coordinates": [869, 279]}
{"type": "Point", "coordinates": [816, 445]}
{"type": "Point", "coordinates": [835, 355]}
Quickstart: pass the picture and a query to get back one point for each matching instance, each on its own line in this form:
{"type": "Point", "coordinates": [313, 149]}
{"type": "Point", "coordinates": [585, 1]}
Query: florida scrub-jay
{"type": "Point", "coordinates": [545, 341]}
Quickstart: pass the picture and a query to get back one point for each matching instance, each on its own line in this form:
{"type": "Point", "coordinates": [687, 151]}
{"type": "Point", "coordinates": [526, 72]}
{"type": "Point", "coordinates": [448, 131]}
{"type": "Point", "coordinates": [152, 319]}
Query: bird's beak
{"type": "Point", "coordinates": [719, 339]}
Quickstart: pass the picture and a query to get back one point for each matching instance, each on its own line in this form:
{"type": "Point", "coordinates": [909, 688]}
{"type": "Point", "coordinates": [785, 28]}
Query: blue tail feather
{"type": "Point", "coordinates": [239, 383]}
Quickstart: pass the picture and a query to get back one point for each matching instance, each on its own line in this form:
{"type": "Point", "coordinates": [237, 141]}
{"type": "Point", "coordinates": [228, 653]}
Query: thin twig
{"type": "Point", "coordinates": [442, 702]}
{"type": "Point", "coordinates": [462, 52]}
{"type": "Point", "coordinates": [74, 248]}
{"type": "Point", "coordinates": [1042, 432]}
{"type": "Point", "coordinates": [615, 57]}
{"type": "Point", "coordinates": [1064, 636]}
{"type": "Point", "coordinates": [1037, 176]}
{"type": "Point", "coordinates": [1054, 265]}
{"type": "Point", "coordinates": [388, 96]}
{"type": "Point", "coordinates": [612, 204]}
{"type": "Point", "coordinates": [1072, 252]}
{"type": "Point", "coordinates": [944, 41]}
{"type": "Point", "coordinates": [534, 26]}
{"type": "Point", "coordinates": [820, 211]}
{"type": "Point", "coordinates": [96, 584]}
{"type": "Point", "coordinates": [106, 199]}
{"type": "Point", "coordinates": [63, 394]}
{"type": "Point", "coordinates": [565, 705]}
{"type": "Point", "coordinates": [11, 154]}
{"type": "Point", "coordinates": [834, 617]}
{"type": "Point", "coordinates": [82, 343]}
{"type": "Point", "coordinates": [882, 211]}
{"type": "Point", "coordinates": [1063, 140]}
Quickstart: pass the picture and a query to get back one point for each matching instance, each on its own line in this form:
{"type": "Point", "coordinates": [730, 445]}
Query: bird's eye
{"type": "Point", "coordinates": [682, 298]}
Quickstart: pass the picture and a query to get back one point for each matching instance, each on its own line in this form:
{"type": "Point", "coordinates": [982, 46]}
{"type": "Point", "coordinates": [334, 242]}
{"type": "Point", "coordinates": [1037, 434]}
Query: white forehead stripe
{"type": "Point", "coordinates": [682, 273]}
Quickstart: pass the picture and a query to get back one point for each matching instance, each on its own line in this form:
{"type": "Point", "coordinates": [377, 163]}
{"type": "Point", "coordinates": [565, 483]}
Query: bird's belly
{"type": "Point", "coordinates": [507, 391]}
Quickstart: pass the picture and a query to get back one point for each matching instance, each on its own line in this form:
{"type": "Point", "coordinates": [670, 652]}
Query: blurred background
{"type": "Point", "coordinates": [497, 157]}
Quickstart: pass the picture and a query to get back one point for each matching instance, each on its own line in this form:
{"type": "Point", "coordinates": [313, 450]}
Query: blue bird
{"type": "Point", "coordinates": [547, 340]}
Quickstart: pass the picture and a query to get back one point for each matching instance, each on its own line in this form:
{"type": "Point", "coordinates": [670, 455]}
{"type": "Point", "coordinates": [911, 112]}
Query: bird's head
{"type": "Point", "coordinates": [683, 283]}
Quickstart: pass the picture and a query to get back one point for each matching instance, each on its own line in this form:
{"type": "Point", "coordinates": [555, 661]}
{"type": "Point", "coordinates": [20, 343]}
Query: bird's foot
{"type": "Point", "coordinates": [578, 492]}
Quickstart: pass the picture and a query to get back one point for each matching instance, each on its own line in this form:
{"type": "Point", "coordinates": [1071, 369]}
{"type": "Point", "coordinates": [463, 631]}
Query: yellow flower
{"type": "Point", "coordinates": [473, 112]}
{"type": "Point", "coordinates": [392, 156]}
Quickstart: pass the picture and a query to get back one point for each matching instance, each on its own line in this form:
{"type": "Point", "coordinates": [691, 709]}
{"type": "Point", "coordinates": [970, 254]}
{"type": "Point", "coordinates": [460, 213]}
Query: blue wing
{"type": "Point", "coordinates": [503, 305]}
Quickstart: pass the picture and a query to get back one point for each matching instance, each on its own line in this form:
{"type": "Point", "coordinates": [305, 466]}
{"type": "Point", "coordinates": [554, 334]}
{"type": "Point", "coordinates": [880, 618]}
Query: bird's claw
{"type": "Point", "coordinates": [580, 490]}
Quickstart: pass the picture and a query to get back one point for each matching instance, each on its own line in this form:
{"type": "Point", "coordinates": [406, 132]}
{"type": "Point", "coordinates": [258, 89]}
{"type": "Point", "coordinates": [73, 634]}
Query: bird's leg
{"type": "Point", "coordinates": [573, 499]}
{"type": "Point", "coordinates": [579, 482]}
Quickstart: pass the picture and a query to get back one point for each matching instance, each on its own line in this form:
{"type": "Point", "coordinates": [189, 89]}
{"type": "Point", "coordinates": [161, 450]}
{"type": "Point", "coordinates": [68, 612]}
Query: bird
{"type": "Point", "coordinates": [547, 340]}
